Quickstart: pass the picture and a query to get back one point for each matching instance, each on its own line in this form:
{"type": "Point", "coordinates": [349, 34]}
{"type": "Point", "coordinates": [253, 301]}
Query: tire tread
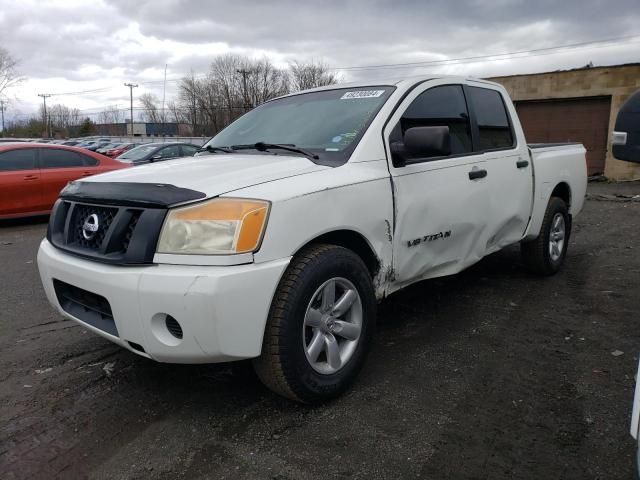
{"type": "Point", "coordinates": [269, 365]}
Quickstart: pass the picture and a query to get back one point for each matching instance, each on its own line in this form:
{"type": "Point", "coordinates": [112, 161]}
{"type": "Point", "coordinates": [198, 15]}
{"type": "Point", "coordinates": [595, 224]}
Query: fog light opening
{"type": "Point", "coordinates": [173, 326]}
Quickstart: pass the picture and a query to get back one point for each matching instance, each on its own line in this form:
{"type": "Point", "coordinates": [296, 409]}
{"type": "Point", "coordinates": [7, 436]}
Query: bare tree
{"type": "Point", "coordinates": [188, 100]}
{"type": "Point", "coordinates": [175, 113]}
{"type": "Point", "coordinates": [266, 81]}
{"type": "Point", "coordinates": [311, 75]}
{"type": "Point", "coordinates": [74, 117]}
{"type": "Point", "coordinates": [237, 83]}
{"type": "Point", "coordinates": [9, 75]}
{"type": "Point", "coordinates": [150, 111]}
{"type": "Point", "coordinates": [111, 114]}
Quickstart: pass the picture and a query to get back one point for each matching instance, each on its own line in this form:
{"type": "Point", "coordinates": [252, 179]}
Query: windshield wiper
{"type": "Point", "coordinates": [264, 147]}
{"type": "Point", "coordinates": [211, 149]}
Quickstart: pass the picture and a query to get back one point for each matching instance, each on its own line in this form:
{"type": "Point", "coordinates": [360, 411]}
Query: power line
{"type": "Point", "coordinates": [504, 56]}
{"type": "Point", "coordinates": [457, 60]}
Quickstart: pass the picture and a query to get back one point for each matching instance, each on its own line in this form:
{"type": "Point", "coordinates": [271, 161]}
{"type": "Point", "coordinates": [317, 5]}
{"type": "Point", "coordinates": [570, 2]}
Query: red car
{"type": "Point", "coordinates": [114, 152]}
{"type": "Point", "coordinates": [32, 175]}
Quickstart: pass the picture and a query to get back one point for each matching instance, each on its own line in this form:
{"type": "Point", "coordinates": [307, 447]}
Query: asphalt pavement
{"type": "Point", "coordinates": [490, 374]}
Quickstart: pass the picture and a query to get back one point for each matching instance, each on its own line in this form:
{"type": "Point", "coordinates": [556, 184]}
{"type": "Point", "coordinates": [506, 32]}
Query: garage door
{"type": "Point", "coordinates": [584, 120]}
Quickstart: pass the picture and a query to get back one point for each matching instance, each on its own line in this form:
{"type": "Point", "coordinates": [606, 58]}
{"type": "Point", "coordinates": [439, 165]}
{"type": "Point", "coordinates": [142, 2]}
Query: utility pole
{"type": "Point", "coordinates": [2, 110]}
{"type": "Point", "coordinates": [47, 124]}
{"type": "Point", "coordinates": [131, 87]}
{"type": "Point", "coordinates": [244, 72]}
{"type": "Point", "coordinates": [164, 91]}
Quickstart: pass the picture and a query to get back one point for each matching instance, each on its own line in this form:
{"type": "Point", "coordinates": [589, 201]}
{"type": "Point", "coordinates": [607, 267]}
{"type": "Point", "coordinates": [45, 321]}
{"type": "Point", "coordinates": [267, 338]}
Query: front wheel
{"type": "Point", "coordinates": [546, 254]}
{"type": "Point", "coordinates": [320, 325]}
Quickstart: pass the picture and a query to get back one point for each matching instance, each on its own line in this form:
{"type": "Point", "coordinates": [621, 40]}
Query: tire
{"type": "Point", "coordinates": [286, 364]}
{"type": "Point", "coordinates": [539, 255]}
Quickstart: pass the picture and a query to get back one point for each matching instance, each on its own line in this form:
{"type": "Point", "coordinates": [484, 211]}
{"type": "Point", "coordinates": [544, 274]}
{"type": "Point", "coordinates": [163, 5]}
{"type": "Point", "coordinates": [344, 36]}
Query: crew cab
{"type": "Point", "coordinates": [276, 242]}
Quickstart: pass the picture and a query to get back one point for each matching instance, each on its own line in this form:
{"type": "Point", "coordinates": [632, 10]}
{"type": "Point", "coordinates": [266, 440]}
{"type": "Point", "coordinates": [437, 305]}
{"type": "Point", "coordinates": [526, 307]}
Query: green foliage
{"type": "Point", "coordinates": [87, 127]}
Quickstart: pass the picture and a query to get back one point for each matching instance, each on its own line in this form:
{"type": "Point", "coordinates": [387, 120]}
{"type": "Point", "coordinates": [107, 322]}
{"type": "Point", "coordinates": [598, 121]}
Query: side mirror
{"type": "Point", "coordinates": [155, 157]}
{"type": "Point", "coordinates": [421, 142]}
{"type": "Point", "coordinates": [625, 140]}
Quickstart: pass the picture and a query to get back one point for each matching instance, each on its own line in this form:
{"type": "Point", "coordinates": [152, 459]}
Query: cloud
{"type": "Point", "coordinates": [72, 45]}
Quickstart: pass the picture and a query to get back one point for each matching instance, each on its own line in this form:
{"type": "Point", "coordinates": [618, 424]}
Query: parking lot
{"type": "Point", "coordinates": [485, 375]}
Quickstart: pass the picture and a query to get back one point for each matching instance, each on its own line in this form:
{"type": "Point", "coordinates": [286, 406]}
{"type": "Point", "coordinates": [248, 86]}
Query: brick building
{"type": "Point", "coordinates": [577, 105]}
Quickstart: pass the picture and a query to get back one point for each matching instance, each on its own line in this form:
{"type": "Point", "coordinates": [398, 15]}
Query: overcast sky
{"type": "Point", "coordinates": [71, 45]}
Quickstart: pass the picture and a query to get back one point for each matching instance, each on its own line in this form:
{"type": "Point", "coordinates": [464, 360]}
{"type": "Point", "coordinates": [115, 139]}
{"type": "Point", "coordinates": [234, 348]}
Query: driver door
{"type": "Point", "coordinates": [441, 201]}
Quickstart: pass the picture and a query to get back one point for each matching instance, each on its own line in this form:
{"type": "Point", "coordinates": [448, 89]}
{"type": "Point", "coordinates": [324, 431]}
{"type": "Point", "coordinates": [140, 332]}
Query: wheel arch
{"type": "Point", "coordinates": [563, 190]}
{"type": "Point", "coordinates": [352, 240]}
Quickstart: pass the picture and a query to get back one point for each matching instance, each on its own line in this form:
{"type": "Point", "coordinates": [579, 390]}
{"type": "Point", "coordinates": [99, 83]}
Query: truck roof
{"type": "Point", "coordinates": [394, 81]}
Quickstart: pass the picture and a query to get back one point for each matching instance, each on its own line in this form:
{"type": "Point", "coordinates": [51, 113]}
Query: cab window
{"type": "Point", "coordinates": [439, 106]}
{"type": "Point", "coordinates": [494, 128]}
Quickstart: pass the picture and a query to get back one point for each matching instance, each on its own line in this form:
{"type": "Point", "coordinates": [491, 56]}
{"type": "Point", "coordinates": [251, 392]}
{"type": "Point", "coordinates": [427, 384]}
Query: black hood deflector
{"type": "Point", "coordinates": [147, 195]}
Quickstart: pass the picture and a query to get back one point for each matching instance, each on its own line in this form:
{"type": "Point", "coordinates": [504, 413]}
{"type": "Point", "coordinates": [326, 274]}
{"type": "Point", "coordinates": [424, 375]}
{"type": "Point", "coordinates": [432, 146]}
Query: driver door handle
{"type": "Point", "coordinates": [476, 174]}
{"type": "Point", "coordinates": [522, 163]}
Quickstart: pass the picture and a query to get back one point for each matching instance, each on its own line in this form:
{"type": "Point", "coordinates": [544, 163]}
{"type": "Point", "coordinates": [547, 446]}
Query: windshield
{"type": "Point", "coordinates": [327, 123]}
{"type": "Point", "coordinates": [138, 153]}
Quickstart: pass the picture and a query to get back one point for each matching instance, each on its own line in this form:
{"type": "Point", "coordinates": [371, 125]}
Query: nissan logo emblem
{"type": "Point", "coordinates": [90, 226]}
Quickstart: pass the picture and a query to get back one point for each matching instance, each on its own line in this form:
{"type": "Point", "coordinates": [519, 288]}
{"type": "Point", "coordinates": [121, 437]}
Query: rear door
{"type": "Point", "coordinates": [20, 182]}
{"type": "Point", "coordinates": [510, 172]}
{"type": "Point", "coordinates": [441, 201]}
{"type": "Point", "coordinates": [58, 167]}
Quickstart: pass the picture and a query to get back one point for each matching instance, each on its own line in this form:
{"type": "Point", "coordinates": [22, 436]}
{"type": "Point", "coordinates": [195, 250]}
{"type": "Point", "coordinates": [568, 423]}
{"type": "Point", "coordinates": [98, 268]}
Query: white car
{"type": "Point", "coordinates": [276, 242]}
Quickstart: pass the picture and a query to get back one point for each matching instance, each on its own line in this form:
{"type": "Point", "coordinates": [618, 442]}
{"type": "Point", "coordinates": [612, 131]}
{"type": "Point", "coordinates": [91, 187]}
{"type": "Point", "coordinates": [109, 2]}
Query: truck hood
{"type": "Point", "coordinates": [215, 174]}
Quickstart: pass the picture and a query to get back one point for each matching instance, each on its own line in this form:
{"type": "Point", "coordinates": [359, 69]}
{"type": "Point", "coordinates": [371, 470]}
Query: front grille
{"type": "Point", "coordinates": [106, 233]}
{"type": "Point", "coordinates": [130, 228]}
{"type": "Point", "coordinates": [80, 214]}
{"type": "Point", "coordinates": [87, 306]}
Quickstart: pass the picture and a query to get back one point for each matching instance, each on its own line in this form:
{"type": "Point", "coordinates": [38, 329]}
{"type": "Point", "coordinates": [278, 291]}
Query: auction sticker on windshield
{"type": "Point", "coordinates": [362, 94]}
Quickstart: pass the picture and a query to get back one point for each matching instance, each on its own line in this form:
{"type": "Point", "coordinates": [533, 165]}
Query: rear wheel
{"type": "Point", "coordinates": [546, 254]}
{"type": "Point", "coordinates": [320, 325]}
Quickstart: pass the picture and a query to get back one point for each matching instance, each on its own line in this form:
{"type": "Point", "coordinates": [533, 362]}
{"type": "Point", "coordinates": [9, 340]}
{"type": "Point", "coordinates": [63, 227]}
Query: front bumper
{"type": "Point", "coordinates": [635, 415]}
{"type": "Point", "coordinates": [222, 309]}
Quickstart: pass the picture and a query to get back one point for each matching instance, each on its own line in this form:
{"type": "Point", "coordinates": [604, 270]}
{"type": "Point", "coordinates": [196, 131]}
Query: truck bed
{"type": "Point", "coordinates": [549, 145]}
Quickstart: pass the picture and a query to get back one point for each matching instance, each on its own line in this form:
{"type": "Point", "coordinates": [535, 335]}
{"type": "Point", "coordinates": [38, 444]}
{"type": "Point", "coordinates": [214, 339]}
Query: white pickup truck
{"type": "Point", "coordinates": [276, 241]}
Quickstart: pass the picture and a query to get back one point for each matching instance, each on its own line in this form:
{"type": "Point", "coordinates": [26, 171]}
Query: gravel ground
{"type": "Point", "coordinates": [489, 374]}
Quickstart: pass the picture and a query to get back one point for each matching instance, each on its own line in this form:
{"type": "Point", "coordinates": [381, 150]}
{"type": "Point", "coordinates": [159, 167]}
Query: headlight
{"type": "Point", "coordinates": [221, 226]}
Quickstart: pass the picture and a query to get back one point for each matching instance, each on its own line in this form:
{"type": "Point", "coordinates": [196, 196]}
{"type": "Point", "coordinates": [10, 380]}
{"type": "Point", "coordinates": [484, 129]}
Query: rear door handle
{"type": "Point", "coordinates": [87, 174]}
{"type": "Point", "coordinates": [30, 177]}
{"type": "Point", "coordinates": [522, 163]}
{"type": "Point", "coordinates": [475, 174]}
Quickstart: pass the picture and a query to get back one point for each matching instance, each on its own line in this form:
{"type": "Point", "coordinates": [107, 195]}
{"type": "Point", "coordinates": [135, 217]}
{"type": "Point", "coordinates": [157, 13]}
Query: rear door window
{"type": "Point", "coordinates": [494, 126]}
{"type": "Point", "coordinates": [188, 150]}
{"type": "Point", "coordinates": [19, 159]}
{"type": "Point", "coordinates": [55, 158]}
{"type": "Point", "coordinates": [170, 152]}
{"type": "Point", "coordinates": [87, 161]}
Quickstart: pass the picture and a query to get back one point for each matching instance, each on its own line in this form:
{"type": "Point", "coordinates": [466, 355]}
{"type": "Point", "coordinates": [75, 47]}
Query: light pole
{"type": "Point", "coordinates": [131, 87]}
